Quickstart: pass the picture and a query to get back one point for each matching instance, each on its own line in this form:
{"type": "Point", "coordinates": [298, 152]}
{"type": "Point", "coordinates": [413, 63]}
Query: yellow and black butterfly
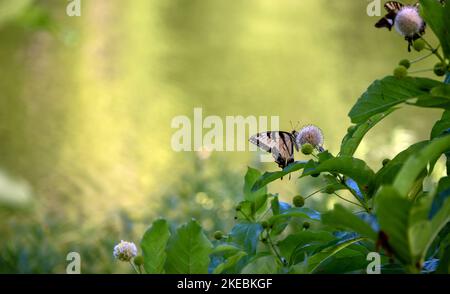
{"type": "Point", "coordinates": [388, 21]}
{"type": "Point", "coordinates": [280, 144]}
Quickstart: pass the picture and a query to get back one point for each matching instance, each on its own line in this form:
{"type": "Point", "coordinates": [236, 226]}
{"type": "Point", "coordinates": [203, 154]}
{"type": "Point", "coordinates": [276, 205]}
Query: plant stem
{"type": "Point", "coordinates": [354, 203]}
{"type": "Point", "coordinates": [421, 58]}
{"type": "Point", "coordinates": [269, 240]}
{"type": "Point", "coordinates": [421, 70]}
{"type": "Point", "coordinates": [434, 51]}
{"type": "Point", "coordinates": [134, 267]}
{"type": "Point", "coordinates": [312, 194]}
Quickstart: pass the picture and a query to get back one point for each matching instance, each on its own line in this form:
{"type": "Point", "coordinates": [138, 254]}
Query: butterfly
{"type": "Point", "coordinates": [280, 144]}
{"type": "Point", "coordinates": [388, 21]}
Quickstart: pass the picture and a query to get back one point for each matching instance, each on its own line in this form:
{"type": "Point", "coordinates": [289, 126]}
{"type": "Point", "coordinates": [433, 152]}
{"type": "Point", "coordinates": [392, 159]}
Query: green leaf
{"type": "Point", "coordinates": [341, 217]}
{"type": "Point", "coordinates": [442, 194]}
{"type": "Point", "coordinates": [393, 213]}
{"type": "Point", "coordinates": [301, 212]}
{"type": "Point", "coordinates": [387, 173]}
{"type": "Point", "coordinates": [269, 177]}
{"type": "Point", "coordinates": [266, 264]}
{"type": "Point", "coordinates": [384, 94]}
{"type": "Point", "coordinates": [314, 262]}
{"type": "Point", "coordinates": [351, 167]}
{"type": "Point", "coordinates": [246, 236]}
{"type": "Point", "coordinates": [153, 246]}
{"type": "Point", "coordinates": [230, 262]}
{"type": "Point", "coordinates": [442, 125]}
{"type": "Point", "coordinates": [294, 246]}
{"type": "Point", "coordinates": [344, 261]}
{"type": "Point", "coordinates": [258, 197]}
{"type": "Point", "coordinates": [354, 136]}
{"type": "Point", "coordinates": [437, 18]}
{"type": "Point", "coordinates": [188, 250]}
{"type": "Point", "coordinates": [418, 162]}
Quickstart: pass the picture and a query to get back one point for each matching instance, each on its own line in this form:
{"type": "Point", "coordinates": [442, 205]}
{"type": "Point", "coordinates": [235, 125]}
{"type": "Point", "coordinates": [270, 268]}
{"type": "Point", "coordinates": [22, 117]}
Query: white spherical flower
{"type": "Point", "coordinates": [125, 251]}
{"type": "Point", "coordinates": [310, 134]}
{"type": "Point", "coordinates": [408, 22]}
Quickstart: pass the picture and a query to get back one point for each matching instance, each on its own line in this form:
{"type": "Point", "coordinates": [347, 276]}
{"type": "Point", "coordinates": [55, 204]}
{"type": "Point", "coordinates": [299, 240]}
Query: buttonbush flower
{"type": "Point", "coordinates": [125, 251]}
{"type": "Point", "coordinates": [310, 134]}
{"type": "Point", "coordinates": [408, 22]}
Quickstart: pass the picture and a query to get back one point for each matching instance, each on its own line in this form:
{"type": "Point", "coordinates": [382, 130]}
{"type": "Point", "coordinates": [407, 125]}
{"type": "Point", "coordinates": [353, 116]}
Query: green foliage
{"type": "Point", "coordinates": [153, 247]}
{"type": "Point", "coordinates": [405, 222]}
{"type": "Point", "coordinates": [188, 250]}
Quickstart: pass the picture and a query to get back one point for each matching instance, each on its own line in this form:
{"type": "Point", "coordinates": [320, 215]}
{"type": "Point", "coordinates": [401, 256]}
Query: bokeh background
{"type": "Point", "coordinates": [86, 105]}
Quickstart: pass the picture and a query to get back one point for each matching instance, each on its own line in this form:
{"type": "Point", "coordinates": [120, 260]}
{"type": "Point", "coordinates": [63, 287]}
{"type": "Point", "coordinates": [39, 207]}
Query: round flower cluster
{"type": "Point", "coordinates": [408, 21]}
{"type": "Point", "coordinates": [310, 134]}
{"type": "Point", "coordinates": [125, 251]}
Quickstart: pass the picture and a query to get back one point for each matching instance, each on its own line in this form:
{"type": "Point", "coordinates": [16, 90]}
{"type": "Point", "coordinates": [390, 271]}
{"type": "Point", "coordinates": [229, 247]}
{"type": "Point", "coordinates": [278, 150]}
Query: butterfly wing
{"type": "Point", "coordinates": [393, 6]}
{"type": "Point", "coordinates": [280, 144]}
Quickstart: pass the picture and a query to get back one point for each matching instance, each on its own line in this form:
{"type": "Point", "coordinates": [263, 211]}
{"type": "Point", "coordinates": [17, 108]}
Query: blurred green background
{"type": "Point", "coordinates": [86, 105]}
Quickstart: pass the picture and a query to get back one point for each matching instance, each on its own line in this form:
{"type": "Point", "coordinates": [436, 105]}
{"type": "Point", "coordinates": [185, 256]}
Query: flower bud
{"type": "Point", "coordinates": [385, 161]}
{"type": "Point", "coordinates": [400, 72]}
{"type": "Point", "coordinates": [405, 62]}
{"type": "Point", "coordinates": [218, 235]}
{"type": "Point", "coordinates": [419, 45]}
{"type": "Point", "coordinates": [307, 149]}
{"type": "Point", "coordinates": [306, 225]}
{"type": "Point", "coordinates": [265, 224]}
{"type": "Point", "coordinates": [440, 69]}
{"type": "Point", "coordinates": [329, 189]}
{"type": "Point", "coordinates": [138, 260]}
{"type": "Point", "coordinates": [298, 201]}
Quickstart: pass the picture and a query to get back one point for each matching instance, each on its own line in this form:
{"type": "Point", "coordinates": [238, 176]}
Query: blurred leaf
{"type": "Point", "coordinates": [348, 166]}
{"type": "Point", "coordinates": [266, 264]}
{"type": "Point", "coordinates": [418, 162]}
{"type": "Point", "coordinates": [384, 94]}
{"type": "Point", "coordinates": [222, 248]}
{"type": "Point", "coordinates": [269, 177]}
{"type": "Point", "coordinates": [153, 246]}
{"type": "Point", "coordinates": [275, 206]}
{"type": "Point", "coordinates": [258, 196]}
{"type": "Point", "coordinates": [246, 211]}
{"type": "Point", "coordinates": [354, 136]}
{"type": "Point", "coordinates": [341, 217]}
{"type": "Point", "coordinates": [344, 261]}
{"type": "Point", "coordinates": [246, 235]}
{"type": "Point", "coordinates": [230, 262]}
{"type": "Point", "coordinates": [437, 18]}
{"type": "Point", "coordinates": [188, 250]}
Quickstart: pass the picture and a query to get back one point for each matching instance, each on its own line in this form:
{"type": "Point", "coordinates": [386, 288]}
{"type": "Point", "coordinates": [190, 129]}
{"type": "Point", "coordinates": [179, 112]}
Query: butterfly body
{"type": "Point", "coordinates": [280, 144]}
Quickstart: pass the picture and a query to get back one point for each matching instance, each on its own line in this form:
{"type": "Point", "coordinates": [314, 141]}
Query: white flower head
{"type": "Point", "coordinates": [310, 134]}
{"type": "Point", "coordinates": [408, 22]}
{"type": "Point", "coordinates": [125, 251]}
